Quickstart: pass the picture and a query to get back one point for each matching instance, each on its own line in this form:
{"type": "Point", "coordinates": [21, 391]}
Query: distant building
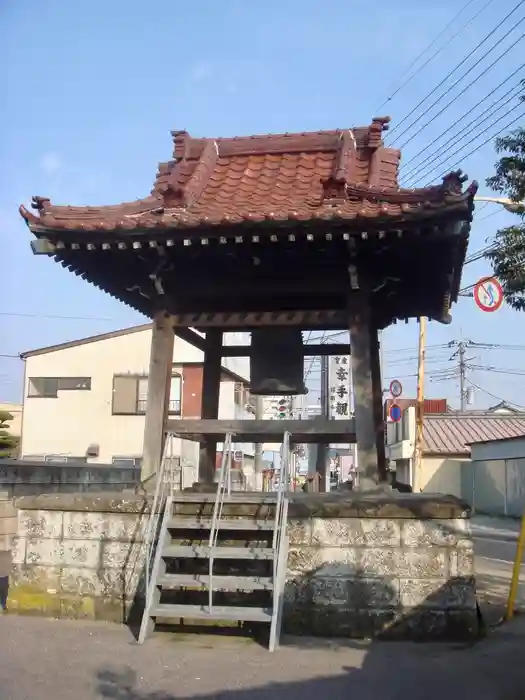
{"type": "Point", "coordinates": [86, 400]}
{"type": "Point", "coordinates": [446, 445]}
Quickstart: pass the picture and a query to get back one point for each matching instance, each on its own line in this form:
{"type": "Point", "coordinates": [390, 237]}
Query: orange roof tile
{"type": "Point", "coordinates": [341, 174]}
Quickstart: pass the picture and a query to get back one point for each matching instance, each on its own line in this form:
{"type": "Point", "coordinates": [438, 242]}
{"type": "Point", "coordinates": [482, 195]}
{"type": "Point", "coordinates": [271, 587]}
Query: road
{"type": "Point", "coordinates": [495, 542]}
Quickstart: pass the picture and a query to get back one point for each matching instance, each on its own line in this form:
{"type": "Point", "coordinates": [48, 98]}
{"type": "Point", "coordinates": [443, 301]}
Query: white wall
{"type": "Point", "coordinates": [70, 423]}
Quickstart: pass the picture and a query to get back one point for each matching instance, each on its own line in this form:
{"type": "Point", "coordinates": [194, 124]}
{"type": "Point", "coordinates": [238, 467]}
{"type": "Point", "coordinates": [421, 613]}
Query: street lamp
{"type": "Point", "coordinates": [506, 203]}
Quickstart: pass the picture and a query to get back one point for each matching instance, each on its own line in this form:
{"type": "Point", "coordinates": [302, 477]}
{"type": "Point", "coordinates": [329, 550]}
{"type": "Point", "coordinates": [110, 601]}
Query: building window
{"type": "Point", "coordinates": [48, 387]}
{"type": "Point", "coordinates": [130, 395]}
{"type": "Point", "coordinates": [126, 461]}
{"type": "Point", "coordinates": [64, 459]}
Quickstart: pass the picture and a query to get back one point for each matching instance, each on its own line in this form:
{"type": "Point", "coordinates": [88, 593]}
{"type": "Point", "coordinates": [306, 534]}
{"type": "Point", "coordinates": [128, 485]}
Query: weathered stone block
{"type": "Point", "coordinates": [300, 532]}
{"type": "Point", "coordinates": [83, 581]}
{"type": "Point", "coordinates": [45, 579]}
{"type": "Point", "coordinates": [85, 526]}
{"type": "Point", "coordinates": [81, 553]}
{"type": "Point", "coordinates": [355, 532]}
{"type": "Point", "coordinates": [337, 532]}
{"type": "Point", "coordinates": [40, 523]}
{"type": "Point", "coordinates": [381, 533]}
{"type": "Point", "coordinates": [44, 552]}
{"type": "Point", "coordinates": [122, 554]}
{"type": "Point", "coordinates": [461, 561]}
{"type": "Point", "coordinates": [127, 527]}
{"type": "Point", "coordinates": [355, 592]}
{"type": "Point", "coordinates": [408, 563]}
{"type": "Point", "coordinates": [420, 624]}
{"type": "Point", "coordinates": [18, 549]}
{"type": "Point", "coordinates": [426, 533]}
{"type": "Point", "coordinates": [438, 594]}
{"type": "Point", "coordinates": [322, 561]}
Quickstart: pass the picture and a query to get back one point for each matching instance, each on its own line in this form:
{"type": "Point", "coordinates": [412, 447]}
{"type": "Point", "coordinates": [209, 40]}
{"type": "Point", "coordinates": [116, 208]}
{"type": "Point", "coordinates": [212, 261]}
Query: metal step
{"type": "Point", "coordinates": [205, 524]}
{"type": "Point", "coordinates": [201, 612]}
{"type": "Point", "coordinates": [203, 552]}
{"type": "Point", "coordinates": [229, 583]}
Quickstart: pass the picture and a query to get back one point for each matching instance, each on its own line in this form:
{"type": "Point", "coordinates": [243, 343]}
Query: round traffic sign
{"type": "Point", "coordinates": [488, 294]}
{"type": "Point", "coordinates": [395, 413]}
{"type": "Point", "coordinates": [396, 388]}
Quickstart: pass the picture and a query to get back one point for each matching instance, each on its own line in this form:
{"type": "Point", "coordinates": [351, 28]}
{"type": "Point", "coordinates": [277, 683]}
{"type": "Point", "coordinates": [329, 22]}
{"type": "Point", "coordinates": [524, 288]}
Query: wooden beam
{"type": "Point", "coordinates": [317, 349]}
{"type": "Point", "coordinates": [312, 431]}
{"type": "Point", "coordinates": [161, 361]}
{"type": "Point", "coordinates": [211, 386]}
{"type": "Point", "coordinates": [191, 337]}
{"type": "Point", "coordinates": [361, 359]}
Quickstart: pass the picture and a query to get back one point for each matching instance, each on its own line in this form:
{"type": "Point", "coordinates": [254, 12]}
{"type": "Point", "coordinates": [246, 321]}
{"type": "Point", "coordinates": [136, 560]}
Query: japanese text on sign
{"type": "Point", "coordinates": [339, 382]}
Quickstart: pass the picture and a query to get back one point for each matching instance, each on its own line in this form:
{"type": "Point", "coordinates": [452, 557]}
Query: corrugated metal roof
{"type": "Point", "coordinates": [452, 434]}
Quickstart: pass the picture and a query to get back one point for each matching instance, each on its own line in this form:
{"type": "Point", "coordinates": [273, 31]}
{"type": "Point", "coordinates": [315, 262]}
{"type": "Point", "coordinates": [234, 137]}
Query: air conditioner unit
{"type": "Point", "coordinates": [93, 450]}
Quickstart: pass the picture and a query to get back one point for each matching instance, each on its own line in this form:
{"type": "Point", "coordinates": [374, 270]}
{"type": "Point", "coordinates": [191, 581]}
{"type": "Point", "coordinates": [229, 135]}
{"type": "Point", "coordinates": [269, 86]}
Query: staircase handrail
{"type": "Point", "coordinates": [163, 488]}
{"type": "Point", "coordinates": [279, 539]}
{"type": "Point", "coordinates": [223, 486]}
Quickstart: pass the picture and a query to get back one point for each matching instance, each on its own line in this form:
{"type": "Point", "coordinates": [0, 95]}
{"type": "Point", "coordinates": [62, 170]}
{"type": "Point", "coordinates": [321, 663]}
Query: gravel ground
{"type": "Point", "coordinates": [69, 660]}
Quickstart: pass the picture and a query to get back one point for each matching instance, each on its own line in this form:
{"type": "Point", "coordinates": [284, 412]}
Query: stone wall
{"type": "Point", "coordinates": [395, 577]}
{"type": "Point", "coordinates": [78, 556]}
{"type": "Point", "coordinates": [398, 566]}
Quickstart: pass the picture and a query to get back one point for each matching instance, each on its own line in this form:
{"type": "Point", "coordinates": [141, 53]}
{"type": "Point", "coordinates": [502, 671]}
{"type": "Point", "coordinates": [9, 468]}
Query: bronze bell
{"type": "Point", "coordinates": [277, 362]}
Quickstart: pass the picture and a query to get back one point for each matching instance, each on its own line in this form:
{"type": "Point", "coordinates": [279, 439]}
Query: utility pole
{"type": "Point", "coordinates": [462, 372]}
{"type": "Point", "coordinates": [420, 406]}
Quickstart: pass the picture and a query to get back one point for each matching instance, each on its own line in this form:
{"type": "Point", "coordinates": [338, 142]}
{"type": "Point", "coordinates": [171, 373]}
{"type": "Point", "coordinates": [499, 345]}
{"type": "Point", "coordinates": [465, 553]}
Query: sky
{"type": "Point", "coordinates": [91, 90]}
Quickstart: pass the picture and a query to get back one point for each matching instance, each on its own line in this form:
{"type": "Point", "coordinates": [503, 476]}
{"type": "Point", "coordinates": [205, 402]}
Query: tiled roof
{"type": "Point", "coordinates": [429, 406]}
{"type": "Point", "coordinates": [325, 175]}
{"type": "Point", "coordinates": [446, 434]}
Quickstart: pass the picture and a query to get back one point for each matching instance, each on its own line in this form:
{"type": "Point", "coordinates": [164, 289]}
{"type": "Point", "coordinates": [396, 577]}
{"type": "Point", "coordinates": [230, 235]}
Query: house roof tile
{"type": "Point", "coordinates": [452, 434]}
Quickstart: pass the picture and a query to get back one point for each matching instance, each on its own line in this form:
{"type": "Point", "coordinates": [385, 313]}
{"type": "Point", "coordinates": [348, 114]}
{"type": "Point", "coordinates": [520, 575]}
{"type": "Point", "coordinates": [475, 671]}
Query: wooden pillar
{"type": "Point", "coordinates": [159, 382]}
{"type": "Point", "coordinates": [361, 358]}
{"type": "Point", "coordinates": [377, 400]}
{"type": "Point", "coordinates": [211, 385]}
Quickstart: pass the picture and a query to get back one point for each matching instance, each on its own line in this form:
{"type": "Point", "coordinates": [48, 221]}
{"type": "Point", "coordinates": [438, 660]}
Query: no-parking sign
{"type": "Point", "coordinates": [488, 294]}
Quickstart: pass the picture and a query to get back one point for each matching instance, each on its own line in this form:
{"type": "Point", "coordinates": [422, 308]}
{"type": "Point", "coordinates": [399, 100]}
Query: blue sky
{"type": "Point", "coordinates": [92, 90]}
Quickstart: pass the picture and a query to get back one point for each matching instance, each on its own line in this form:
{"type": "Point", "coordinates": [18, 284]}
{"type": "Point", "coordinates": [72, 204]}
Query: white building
{"type": "Point", "coordinates": [85, 400]}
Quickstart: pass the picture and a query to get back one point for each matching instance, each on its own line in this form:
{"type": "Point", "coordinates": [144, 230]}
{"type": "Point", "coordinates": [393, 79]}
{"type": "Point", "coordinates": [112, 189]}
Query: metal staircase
{"type": "Point", "coordinates": [220, 557]}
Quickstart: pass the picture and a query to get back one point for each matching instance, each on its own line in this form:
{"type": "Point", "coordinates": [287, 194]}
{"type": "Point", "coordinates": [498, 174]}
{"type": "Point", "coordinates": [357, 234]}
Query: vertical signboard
{"type": "Point", "coordinates": [339, 381]}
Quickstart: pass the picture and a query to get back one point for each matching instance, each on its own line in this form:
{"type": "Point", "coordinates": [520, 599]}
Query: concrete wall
{"type": "Point", "coordinates": [22, 478]}
{"type": "Point", "coordinates": [499, 487]}
{"type": "Point", "coordinates": [357, 566]}
{"type": "Point", "coordinates": [67, 425]}
{"type": "Point", "coordinates": [447, 474]}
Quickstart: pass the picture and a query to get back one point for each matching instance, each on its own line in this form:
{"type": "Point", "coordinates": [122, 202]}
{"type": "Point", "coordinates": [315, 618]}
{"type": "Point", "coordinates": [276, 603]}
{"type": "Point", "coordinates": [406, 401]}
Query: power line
{"type": "Point", "coordinates": [487, 140]}
{"type": "Point", "coordinates": [498, 398]}
{"type": "Point", "coordinates": [465, 89]}
{"type": "Point", "coordinates": [458, 135]}
{"type": "Point", "coordinates": [429, 168]}
{"type": "Point", "coordinates": [483, 41]}
{"type": "Point", "coordinates": [436, 53]}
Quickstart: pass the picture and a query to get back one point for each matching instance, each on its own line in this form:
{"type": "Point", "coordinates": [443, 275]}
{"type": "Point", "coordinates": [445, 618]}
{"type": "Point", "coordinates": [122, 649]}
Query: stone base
{"type": "Point", "coordinates": [396, 566]}
{"type": "Point", "coordinates": [395, 624]}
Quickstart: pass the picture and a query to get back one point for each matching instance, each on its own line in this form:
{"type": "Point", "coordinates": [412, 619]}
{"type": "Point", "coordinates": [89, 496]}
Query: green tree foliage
{"type": "Point", "coordinates": [508, 254]}
{"type": "Point", "coordinates": [7, 441]}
